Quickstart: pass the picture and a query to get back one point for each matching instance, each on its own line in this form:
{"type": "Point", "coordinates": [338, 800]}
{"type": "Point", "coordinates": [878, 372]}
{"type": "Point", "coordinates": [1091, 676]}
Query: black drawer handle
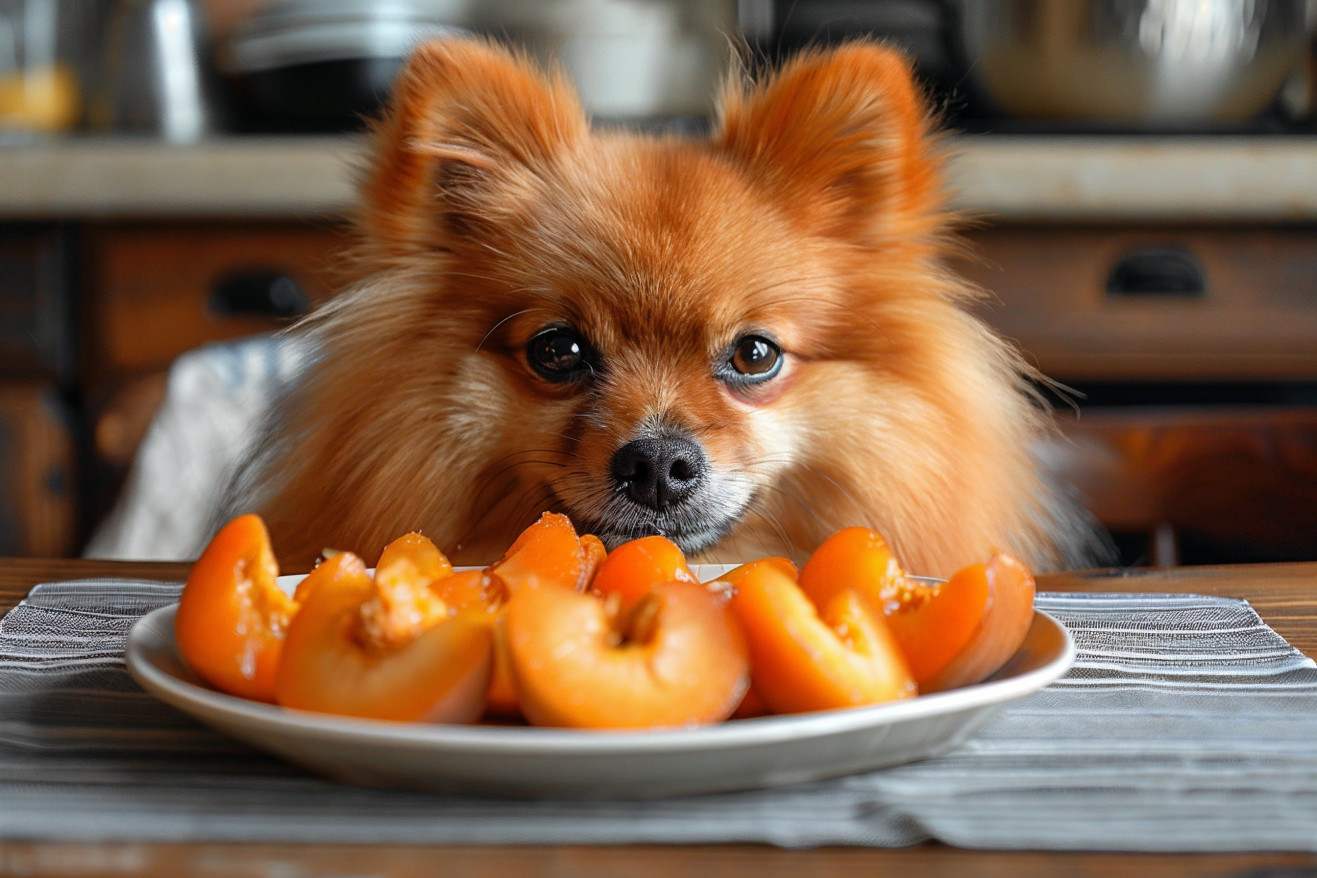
{"type": "Point", "coordinates": [258, 293]}
{"type": "Point", "coordinates": [1157, 272]}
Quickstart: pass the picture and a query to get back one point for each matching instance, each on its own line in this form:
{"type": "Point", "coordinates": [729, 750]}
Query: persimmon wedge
{"type": "Point", "coordinates": [636, 566]}
{"type": "Point", "coordinates": [675, 658]}
{"type": "Point", "coordinates": [807, 658]}
{"type": "Point", "coordinates": [993, 600]}
{"type": "Point", "coordinates": [482, 591]}
{"type": "Point", "coordinates": [404, 603]}
{"type": "Point", "coordinates": [333, 663]}
{"type": "Point", "coordinates": [594, 552]}
{"type": "Point", "coordinates": [952, 633]}
{"type": "Point", "coordinates": [854, 558]}
{"type": "Point", "coordinates": [548, 553]}
{"type": "Point", "coordinates": [232, 617]}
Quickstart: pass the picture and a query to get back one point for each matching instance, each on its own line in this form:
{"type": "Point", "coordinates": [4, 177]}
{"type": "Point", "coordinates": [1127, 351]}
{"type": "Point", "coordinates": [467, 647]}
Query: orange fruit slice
{"type": "Point", "coordinates": [675, 658]}
{"type": "Point", "coordinates": [232, 616]}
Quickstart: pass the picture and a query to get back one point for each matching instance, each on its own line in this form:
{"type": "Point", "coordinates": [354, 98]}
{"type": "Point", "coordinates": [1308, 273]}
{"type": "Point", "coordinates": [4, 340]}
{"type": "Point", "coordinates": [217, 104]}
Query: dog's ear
{"type": "Point", "coordinates": [463, 114]}
{"type": "Point", "coordinates": [842, 135]}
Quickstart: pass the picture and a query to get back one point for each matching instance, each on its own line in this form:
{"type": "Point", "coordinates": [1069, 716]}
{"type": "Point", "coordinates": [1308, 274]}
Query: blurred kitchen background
{"type": "Point", "coordinates": [1142, 176]}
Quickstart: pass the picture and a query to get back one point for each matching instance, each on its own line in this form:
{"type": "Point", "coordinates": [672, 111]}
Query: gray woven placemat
{"type": "Point", "coordinates": [1186, 725]}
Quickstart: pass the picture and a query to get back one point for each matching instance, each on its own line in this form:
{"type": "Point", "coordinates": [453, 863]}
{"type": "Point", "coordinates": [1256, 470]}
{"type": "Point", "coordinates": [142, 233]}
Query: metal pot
{"type": "Point", "coordinates": [325, 65]}
{"type": "Point", "coordinates": [1152, 63]}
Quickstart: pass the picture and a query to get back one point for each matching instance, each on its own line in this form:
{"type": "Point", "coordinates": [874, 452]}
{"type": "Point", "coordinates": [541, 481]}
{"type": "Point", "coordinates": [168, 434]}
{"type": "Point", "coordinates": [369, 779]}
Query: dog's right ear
{"type": "Point", "coordinates": [464, 114]}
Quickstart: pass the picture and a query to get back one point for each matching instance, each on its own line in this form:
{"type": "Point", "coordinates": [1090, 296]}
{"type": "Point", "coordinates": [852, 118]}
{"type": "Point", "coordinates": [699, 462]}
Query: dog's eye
{"type": "Point", "coordinates": [756, 358]}
{"type": "Point", "coordinates": [558, 354]}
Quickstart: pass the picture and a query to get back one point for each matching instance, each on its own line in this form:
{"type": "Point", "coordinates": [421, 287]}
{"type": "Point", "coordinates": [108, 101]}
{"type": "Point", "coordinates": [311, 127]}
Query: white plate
{"type": "Point", "coordinates": [559, 763]}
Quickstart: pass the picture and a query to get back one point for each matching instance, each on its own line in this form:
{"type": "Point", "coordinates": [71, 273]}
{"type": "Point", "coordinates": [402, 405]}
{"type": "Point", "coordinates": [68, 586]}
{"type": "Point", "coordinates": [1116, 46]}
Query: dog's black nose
{"type": "Point", "coordinates": [659, 472]}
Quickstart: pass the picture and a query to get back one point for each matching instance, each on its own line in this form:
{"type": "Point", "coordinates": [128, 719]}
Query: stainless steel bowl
{"type": "Point", "coordinates": [1136, 62]}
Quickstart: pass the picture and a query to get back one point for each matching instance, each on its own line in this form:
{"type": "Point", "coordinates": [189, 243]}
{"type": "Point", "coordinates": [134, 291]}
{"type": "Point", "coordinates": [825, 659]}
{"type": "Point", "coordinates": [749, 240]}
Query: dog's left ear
{"type": "Point", "coordinates": [842, 136]}
{"type": "Point", "coordinates": [466, 115]}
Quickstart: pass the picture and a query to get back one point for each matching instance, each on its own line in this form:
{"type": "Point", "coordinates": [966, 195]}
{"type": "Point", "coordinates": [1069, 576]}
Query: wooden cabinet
{"type": "Point", "coordinates": [36, 302]}
{"type": "Point", "coordinates": [91, 317]}
{"type": "Point", "coordinates": [1196, 483]}
{"type": "Point", "coordinates": [153, 290]}
{"type": "Point", "coordinates": [1206, 339]}
{"type": "Point", "coordinates": [1155, 302]}
{"type": "Point", "coordinates": [37, 473]}
{"type": "Point", "coordinates": [38, 477]}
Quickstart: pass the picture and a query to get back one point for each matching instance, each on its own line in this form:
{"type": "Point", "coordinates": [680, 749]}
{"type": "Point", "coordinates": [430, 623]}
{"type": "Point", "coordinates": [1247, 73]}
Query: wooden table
{"type": "Point", "coordinates": [1284, 594]}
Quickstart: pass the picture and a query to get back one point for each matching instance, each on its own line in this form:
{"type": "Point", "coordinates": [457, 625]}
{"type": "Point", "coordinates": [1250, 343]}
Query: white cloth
{"type": "Point", "coordinates": [1185, 725]}
{"type": "Point", "coordinates": [211, 413]}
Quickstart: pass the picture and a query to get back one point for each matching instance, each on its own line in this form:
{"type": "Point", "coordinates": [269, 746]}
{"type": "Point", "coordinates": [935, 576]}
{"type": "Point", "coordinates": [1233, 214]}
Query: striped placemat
{"type": "Point", "coordinates": [1185, 725]}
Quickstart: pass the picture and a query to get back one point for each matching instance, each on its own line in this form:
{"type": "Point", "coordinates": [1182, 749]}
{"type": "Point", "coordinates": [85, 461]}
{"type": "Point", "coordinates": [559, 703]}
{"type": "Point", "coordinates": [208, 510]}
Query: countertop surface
{"type": "Point", "coordinates": [1011, 177]}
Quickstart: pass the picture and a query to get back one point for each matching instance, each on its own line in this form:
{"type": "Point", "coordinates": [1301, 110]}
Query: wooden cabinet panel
{"type": "Point", "coordinates": [150, 284]}
{"type": "Point", "coordinates": [1254, 317]}
{"type": "Point", "coordinates": [149, 292]}
{"type": "Point", "coordinates": [37, 478]}
{"type": "Point", "coordinates": [36, 325]}
{"type": "Point", "coordinates": [1244, 480]}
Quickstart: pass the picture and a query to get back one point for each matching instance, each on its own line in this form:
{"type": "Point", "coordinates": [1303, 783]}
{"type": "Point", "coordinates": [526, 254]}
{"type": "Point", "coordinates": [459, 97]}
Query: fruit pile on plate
{"type": "Point", "coordinates": [561, 632]}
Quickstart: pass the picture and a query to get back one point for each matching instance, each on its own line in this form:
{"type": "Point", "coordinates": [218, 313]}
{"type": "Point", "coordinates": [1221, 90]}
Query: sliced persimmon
{"type": "Point", "coordinates": [470, 590]}
{"type": "Point", "coordinates": [855, 558]}
{"type": "Point", "coordinates": [636, 566]}
{"type": "Point", "coordinates": [502, 699]}
{"type": "Point", "coordinates": [806, 658]}
{"type": "Point", "coordinates": [595, 552]}
{"type": "Point", "coordinates": [961, 631]}
{"type": "Point", "coordinates": [333, 662]}
{"type": "Point", "coordinates": [232, 616]}
{"type": "Point", "coordinates": [752, 705]}
{"type": "Point", "coordinates": [952, 633]}
{"type": "Point", "coordinates": [546, 553]}
{"type": "Point", "coordinates": [403, 603]}
{"type": "Point", "coordinates": [480, 590]}
{"type": "Point", "coordinates": [676, 658]}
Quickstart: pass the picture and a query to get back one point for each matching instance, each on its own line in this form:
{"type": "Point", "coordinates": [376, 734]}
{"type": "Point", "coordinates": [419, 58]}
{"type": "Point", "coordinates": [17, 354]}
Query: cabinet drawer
{"type": "Point", "coordinates": [1145, 303]}
{"type": "Point", "coordinates": [36, 472]}
{"type": "Point", "coordinates": [153, 285]}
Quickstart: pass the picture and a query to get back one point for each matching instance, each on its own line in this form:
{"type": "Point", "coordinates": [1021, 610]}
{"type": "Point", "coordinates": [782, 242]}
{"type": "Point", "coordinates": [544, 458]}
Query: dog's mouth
{"type": "Point", "coordinates": [692, 532]}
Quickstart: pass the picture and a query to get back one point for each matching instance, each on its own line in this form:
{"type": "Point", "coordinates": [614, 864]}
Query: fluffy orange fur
{"type": "Point", "coordinates": [813, 213]}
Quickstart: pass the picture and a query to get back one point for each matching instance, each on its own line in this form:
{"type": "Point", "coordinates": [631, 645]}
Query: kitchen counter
{"type": "Point", "coordinates": [1023, 178]}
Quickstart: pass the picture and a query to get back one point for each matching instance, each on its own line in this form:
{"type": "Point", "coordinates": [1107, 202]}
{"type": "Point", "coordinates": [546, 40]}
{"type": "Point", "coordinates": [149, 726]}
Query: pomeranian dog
{"type": "Point", "coordinates": [744, 342]}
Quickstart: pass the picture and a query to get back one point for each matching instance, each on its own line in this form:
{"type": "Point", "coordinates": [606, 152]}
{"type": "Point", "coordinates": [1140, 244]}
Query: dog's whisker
{"type": "Point", "coordinates": [808, 508]}
{"type": "Point", "coordinates": [772, 521]}
{"type": "Point", "coordinates": [491, 478]}
{"type": "Point", "coordinates": [568, 437]}
{"type": "Point", "coordinates": [596, 421]}
{"type": "Point", "coordinates": [483, 510]}
{"type": "Point", "coordinates": [531, 503]}
{"type": "Point", "coordinates": [840, 488]}
{"type": "Point", "coordinates": [812, 470]}
{"type": "Point", "coordinates": [493, 329]}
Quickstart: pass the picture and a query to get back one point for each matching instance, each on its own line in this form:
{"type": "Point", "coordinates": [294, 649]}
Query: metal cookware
{"type": "Point", "coordinates": [1135, 62]}
{"type": "Point", "coordinates": [155, 76]}
{"type": "Point", "coordinates": [324, 65]}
